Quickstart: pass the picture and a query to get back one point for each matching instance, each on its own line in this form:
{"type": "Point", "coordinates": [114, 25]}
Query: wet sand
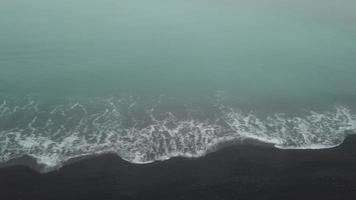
{"type": "Point", "coordinates": [234, 172]}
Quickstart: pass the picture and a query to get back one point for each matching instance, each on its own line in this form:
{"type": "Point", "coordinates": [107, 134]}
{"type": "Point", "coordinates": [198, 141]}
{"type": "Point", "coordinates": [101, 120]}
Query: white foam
{"type": "Point", "coordinates": [59, 133]}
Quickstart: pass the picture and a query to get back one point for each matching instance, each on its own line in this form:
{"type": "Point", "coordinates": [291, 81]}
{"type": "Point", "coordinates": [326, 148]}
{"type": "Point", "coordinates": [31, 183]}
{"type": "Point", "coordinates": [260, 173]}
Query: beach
{"type": "Point", "coordinates": [234, 172]}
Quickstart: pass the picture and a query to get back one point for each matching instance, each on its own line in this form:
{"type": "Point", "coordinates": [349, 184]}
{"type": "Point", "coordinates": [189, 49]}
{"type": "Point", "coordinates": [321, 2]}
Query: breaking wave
{"type": "Point", "coordinates": [53, 134]}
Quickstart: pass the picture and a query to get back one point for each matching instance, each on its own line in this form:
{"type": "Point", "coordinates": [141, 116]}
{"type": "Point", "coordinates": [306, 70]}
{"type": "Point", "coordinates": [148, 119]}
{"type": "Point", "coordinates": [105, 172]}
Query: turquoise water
{"type": "Point", "coordinates": [80, 77]}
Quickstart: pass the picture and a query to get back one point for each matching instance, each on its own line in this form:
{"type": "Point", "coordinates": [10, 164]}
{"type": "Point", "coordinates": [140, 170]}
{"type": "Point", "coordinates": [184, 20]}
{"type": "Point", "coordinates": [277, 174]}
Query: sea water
{"type": "Point", "coordinates": [154, 79]}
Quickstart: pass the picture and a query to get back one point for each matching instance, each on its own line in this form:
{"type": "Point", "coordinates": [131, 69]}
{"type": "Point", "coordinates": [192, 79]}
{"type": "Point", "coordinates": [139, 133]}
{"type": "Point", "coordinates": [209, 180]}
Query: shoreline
{"type": "Point", "coordinates": [31, 162]}
{"type": "Point", "coordinates": [232, 172]}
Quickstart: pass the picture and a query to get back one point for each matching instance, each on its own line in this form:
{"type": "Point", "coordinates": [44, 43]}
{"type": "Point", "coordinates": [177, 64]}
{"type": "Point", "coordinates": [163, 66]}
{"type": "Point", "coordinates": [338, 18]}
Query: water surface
{"type": "Point", "coordinates": [155, 79]}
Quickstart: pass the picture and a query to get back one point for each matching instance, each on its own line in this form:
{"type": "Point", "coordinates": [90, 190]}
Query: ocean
{"type": "Point", "coordinates": [151, 80]}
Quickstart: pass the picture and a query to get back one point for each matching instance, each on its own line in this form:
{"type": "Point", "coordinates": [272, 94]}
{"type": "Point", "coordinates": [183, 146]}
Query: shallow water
{"type": "Point", "coordinates": [155, 79]}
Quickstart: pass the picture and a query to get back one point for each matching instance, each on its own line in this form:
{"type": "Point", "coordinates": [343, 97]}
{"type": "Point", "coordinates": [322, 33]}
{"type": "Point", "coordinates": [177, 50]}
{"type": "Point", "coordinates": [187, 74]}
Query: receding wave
{"type": "Point", "coordinates": [53, 134]}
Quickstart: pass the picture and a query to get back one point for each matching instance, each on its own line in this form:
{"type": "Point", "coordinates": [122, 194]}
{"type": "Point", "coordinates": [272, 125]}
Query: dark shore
{"type": "Point", "coordinates": [234, 172]}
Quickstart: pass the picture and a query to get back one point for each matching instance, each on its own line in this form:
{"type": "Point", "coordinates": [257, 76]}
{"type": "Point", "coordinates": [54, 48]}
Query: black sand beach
{"type": "Point", "coordinates": [235, 172]}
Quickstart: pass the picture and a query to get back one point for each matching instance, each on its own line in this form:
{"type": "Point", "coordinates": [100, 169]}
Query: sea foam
{"type": "Point", "coordinates": [56, 133]}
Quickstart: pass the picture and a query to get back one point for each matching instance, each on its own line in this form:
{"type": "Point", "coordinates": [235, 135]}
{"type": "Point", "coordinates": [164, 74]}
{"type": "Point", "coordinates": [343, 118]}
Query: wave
{"type": "Point", "coordinates": [53, 134]}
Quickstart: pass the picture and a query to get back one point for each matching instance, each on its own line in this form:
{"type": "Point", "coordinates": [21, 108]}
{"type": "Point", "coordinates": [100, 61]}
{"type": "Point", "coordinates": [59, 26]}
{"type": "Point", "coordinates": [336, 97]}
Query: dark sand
{"type": "Point", "coordinates": [235, 172]}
